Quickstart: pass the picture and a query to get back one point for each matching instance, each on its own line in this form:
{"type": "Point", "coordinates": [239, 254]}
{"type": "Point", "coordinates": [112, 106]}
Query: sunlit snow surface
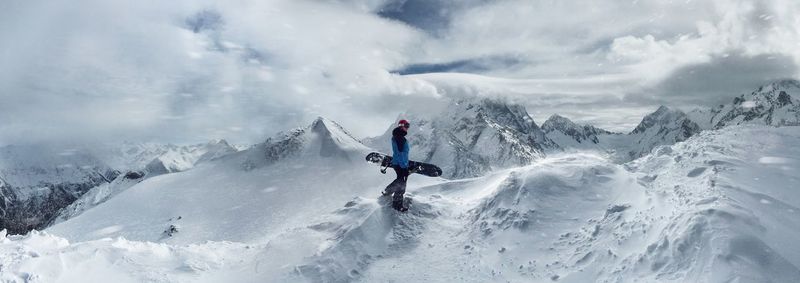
{"type": "Point", "coordinates": [720, 207]}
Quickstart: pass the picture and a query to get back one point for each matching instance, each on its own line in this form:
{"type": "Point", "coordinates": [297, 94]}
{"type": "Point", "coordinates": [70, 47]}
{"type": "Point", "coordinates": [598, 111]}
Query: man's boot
{"type": "Point", "coordinates": [398, 205]}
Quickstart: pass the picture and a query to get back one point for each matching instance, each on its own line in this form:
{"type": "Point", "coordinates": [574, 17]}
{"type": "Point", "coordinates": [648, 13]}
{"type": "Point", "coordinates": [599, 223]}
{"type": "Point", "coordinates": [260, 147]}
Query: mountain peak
{"type": "Point", "coordinates": [783, 84]}
{"type": "Point", "coordinates": [323, 138]}
{"type": "Point", "coordinates": [557, 126]}
{"type": "Point", "coordinates": [325, 126]}
{"type": "Point", "coordinates": [662, 116]}
{"type": "Point", "coordinates": [473, 136]}
{"type": "Point", "coordinates": [661, 110]}
{"type": "Point", "coordinates": [218, 142]}
{"type": "Point", "coordinates": [557, 121]}
{"type": "Point", "coordinates": [771, 104]}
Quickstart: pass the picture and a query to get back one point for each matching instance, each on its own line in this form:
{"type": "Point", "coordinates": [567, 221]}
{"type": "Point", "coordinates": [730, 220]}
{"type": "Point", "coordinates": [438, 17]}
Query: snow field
{"type": "Point", "coordinates": [720, 207]}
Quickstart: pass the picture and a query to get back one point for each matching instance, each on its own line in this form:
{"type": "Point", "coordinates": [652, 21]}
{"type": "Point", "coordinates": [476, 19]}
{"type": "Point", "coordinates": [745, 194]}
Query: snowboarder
{"type": "Point", "coordinates": [400, 150]}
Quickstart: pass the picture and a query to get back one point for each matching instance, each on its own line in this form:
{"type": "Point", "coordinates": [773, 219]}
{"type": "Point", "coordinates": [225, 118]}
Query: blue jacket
{"type": "Point", "coordinates": [400, 148]}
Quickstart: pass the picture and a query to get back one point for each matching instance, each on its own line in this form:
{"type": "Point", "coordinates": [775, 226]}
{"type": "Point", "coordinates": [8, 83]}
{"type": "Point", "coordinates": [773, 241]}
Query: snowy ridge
{"type": "Point", "coordinates": [472, 137]}
{"type": "Point", "coordinates": [38, 180]}
{"type": "Point", "coordinates": [98, 195]}
{"type": "Point", "coordinates": [666, 126]}
{"type": "Point", "coordinates": [714, 208]}
{"type": "Point", "coordinates": [161, 158]}
{"type": "Point", "coordinates": [207, 202]}
{"type": "Point", "coordinates": [581, 133]}
{"type": "Point", "coordinates": [698, 206]}
{"type": "Point", "coordinates": [775, 104]}
{"type": "Point", "coordinates": [571, 136]}
{"type": "Point", "coordinates": [323, 138]}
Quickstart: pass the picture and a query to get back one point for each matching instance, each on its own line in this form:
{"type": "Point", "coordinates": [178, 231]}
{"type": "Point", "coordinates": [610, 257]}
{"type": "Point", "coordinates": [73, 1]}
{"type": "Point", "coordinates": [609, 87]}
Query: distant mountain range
{"type": "Point", "coordinates": [38, 181]}
{"type": "Point", "coordinates": [774, 104]}
{"type": "Point", "coordinates": [41, 185]}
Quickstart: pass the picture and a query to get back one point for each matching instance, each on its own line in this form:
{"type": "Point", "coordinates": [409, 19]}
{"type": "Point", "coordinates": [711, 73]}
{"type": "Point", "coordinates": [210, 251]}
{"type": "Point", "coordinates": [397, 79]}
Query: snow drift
{"type": "Point", "coordinates": [719, 207]}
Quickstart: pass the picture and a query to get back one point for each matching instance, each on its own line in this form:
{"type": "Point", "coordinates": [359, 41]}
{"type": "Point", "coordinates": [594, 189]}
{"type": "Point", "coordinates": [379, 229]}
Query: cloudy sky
{"type": "Point", "coordinates": [188, 71]}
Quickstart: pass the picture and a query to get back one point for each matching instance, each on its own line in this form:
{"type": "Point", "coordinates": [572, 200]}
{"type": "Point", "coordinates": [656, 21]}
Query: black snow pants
{"type": "Point", "coordinates": [398, 187]}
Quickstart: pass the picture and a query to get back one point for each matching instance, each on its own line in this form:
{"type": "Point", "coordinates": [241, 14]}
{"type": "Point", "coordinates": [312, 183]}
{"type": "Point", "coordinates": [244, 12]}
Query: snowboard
{"type": "Point", "coordinates": [385, 161]}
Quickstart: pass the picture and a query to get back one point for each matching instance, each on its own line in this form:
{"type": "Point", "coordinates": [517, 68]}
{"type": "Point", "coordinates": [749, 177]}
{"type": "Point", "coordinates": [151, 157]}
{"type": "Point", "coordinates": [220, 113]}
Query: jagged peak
{"type": "Point", "coordinates": [783, 84]}
{"type": "Point", "coordinates": [322, 125]}
{"type": "Point", "coordinates": [661, 110]}
{"type": "Point", "coordinates": [661, 116]}
{"type": "Point", "coordinates": [221, 142]}
{"type": "Point", "coordinates": [770, 91]}
{"type": "Point", "coordinates": [558, 122]}
{"type": "Point", "coordinates": [556, 119]}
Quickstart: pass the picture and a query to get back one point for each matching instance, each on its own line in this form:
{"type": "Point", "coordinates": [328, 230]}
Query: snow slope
{"type": "Point", "coordinates": [719, 207]}
{"type": "Point", "coordinates": [97, 195]}
{"type": "Point", "coordinates": [38, 180]}
{"type": "Point", "coordinates": [246, 196]}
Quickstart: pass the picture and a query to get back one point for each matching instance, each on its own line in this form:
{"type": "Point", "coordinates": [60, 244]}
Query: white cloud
{"type": "Point", "coordinates": [193, 70]}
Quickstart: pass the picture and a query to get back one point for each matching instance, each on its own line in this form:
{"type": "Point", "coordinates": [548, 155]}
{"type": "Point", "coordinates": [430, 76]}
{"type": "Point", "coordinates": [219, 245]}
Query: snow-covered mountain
{"type": "Point", "coordinates": [472, 137]}
{"type": "Point", "coordinates": [665, 126]}
{"type": "Point", "coordinates": [158, 158]}
{"type": "Point", "coordinates": [97, 195]}
{"type": "Point", "coordinates": [698, 206]}
{"type": "Point", "coordinates": [245, 196]}
{"type": "Point", "coordinates": [322, 139]}
{"type": "Point", "coordinates": [569, 135]}
{"type": "Point", "coordinates": [39, 180]}
{"type": "Point", "coordinates": [775, 104]}
{"type": "Point", "coordinates": [718, 207]}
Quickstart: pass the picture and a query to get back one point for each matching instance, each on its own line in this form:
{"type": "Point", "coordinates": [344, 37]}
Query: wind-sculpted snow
{"type": "Point", "coordinates": [49, 258]}
{"type": "Point", "coordinates": [733, 220]}
{"type": "Point", "coordinates": [362, 232]}
{"type": "Point", "coordinates": [718, 207]}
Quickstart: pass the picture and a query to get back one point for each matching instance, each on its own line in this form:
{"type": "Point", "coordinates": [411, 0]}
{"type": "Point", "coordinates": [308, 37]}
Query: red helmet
{"type": "Point", "coordinates": [404, 123]}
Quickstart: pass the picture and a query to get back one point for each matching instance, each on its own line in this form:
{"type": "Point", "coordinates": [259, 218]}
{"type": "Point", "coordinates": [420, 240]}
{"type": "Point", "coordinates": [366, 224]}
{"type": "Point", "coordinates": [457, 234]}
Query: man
{"type": "Point", "coordinates": [400, 150]}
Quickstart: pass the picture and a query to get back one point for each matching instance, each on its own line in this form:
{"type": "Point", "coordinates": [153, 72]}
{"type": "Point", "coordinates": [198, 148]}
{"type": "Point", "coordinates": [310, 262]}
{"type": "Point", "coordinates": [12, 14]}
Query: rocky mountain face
{"type": "Point", "coordinates": [775, 104]}
{"type": "Point", "coordinates": [157, 159]}
{"type": "Point", "coordinates": [772, 104]}
{"type": "Point", "coordinates": [36, 181]}
{"type": "Point", "coordinates": [469, 138]}
{"type": "Point", "coordinates": [568, 135]}
{"type": "Point", "coordinates": [666, 126]}
{"type": "Point", "coordinates": [97, 195]}
{"type": "Point", "coordinates": [322, 140]}
{"type": "Point", "coordinates": [472, 137]}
